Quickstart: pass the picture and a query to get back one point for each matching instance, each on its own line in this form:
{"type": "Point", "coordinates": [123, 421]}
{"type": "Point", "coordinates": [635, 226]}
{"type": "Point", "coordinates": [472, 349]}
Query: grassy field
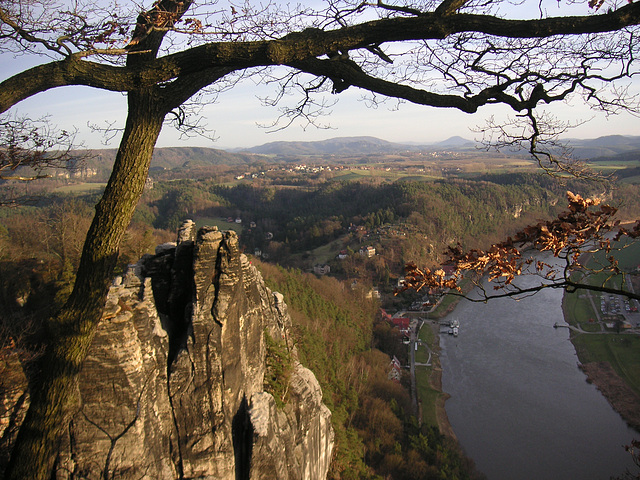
{"type": "Point", "coordinates": [631, 180]}
{"type": "Point", "coordinates": [323, 253]}
{"type": "Point", "coordinates": [327, 252]}
{"type": "Point", "coordinates": [422, 354]}
{"type": "Point", "coordinates": [356, 174]}
{"type": "Point", "coordinates": [444, 307]}
{"type": "Point", "coordinates": [627, 252]}
{"type": "Point", "coordinates": [613, 166]}
{"type": "Point", "coordinates": [579, 311]}
{"type": "Point", "coordinates": [449, 302]}
{"type": "Point", "coordinates": [427, 394]}
{"type": "Point", "coordinates": [464, 166]}
{"type": "Point", "coordinates": [81, 188]}
{"type": "Point", "coordinates": [621, 351]}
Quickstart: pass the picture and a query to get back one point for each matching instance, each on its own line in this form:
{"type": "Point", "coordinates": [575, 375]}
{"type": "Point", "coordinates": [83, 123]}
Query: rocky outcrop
{"type": "Point", "coordinates": [174, 384]}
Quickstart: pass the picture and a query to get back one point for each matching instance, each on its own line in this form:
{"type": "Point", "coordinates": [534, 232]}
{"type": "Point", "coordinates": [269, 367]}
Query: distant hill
{"type": "Point", "coordinates": [456, 141]}
{"type": "Point", "coordinates": [175, 157]}
{"type": "Point", "coordinates": [607, 147]}
{"type": "Point", "coordinates": [171, 157]}
{"type": "Point", "coordinates": [343, 146]}
{"type": "Point", "coordinates": [615, 141]}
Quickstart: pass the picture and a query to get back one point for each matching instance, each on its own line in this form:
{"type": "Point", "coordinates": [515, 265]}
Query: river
{"type": "Point", "coordinates": [519, 405]}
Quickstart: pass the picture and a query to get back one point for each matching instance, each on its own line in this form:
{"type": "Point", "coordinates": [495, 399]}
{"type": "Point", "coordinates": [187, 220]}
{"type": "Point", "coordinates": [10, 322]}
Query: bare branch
{"type": "Point", "coordinates": [399, 8]}
{"type": "Point", "coordinates": [539, 135]}
{"type": "Point", "coordinates": [32, 150]}
{"type": "Point", "coordinates": [581, 229]}
{"type": "Point", "coordinates": [449, 7]}
{"type": "Point", "coordinates": [303, 46]}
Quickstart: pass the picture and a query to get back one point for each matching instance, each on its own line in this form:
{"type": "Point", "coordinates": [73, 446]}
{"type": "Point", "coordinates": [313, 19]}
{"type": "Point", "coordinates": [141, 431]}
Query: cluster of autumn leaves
{"type": "Point", "coordinates": [580, 229]}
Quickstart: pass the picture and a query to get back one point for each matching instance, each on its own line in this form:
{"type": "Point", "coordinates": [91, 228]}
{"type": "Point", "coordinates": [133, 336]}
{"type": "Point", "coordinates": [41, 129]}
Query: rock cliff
{"type": "Point", "coordinates": [174, 385]}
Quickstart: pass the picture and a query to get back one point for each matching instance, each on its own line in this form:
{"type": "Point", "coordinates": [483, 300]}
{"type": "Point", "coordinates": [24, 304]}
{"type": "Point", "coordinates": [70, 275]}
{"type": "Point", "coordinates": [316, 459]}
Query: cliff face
{"type": "Point", "coordinates": [174, 384]}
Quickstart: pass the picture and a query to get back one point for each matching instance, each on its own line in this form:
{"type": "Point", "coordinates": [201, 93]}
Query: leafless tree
{"type": "Point", "coordinates": [32, 150]}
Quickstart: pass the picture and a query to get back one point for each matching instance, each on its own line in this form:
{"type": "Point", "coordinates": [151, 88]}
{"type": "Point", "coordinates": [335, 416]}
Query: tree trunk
{"type": "Point", "coordinates": [53, 388]}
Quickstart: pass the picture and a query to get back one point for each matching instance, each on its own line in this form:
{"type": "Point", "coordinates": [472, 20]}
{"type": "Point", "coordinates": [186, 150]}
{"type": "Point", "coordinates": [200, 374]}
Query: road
{"type": "Point", "coordinates": [412, 370]}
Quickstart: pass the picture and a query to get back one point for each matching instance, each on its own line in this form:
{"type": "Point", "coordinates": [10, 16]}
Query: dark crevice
{"type": "Point", "coordinates": [216, 282]}
{"type": "Point", "coordinates": [171, 274]}
{"type": "Point", "coordinates": [73, 451]}
{"type": "Point", "coordinates": [178, 456]}
{"type": "Point", "coordinates": [181, 299]}
{"type": "Point", "coordinates": [242, 431]}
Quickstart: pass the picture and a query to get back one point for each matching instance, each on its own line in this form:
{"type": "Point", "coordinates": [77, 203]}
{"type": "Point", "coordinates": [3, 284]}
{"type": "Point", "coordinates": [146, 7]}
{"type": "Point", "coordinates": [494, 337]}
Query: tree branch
{"type": "Point", "coordinates": [449, 7]}
{"type": "Point", "coordinates": [347, 72]}
{"type": "Point", "coordinates": [566, 237]}
{"type": "Point", "coordinates": [565, 285]}
{"type": "Point", "coordinates": [295, 48]}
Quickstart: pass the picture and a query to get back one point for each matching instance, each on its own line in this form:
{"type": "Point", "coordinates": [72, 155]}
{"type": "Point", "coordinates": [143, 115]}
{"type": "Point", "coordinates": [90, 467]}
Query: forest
{"type": "Point", "coordinates": [337, 329]}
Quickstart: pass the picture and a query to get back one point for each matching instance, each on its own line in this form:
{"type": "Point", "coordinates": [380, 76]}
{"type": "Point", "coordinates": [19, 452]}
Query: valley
{"type": "Point", "coordinates": [331, 227]}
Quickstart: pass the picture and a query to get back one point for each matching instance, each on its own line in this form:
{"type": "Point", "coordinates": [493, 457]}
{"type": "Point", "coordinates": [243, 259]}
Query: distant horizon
{"type": "Point", "coordinates": [239, 120]}
{"type": "Point", "coordinates": [415, 143]}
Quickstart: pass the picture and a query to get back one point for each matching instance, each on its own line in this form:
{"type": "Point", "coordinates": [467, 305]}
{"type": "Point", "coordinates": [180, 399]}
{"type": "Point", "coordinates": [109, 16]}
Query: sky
{"type": "Point", "coordinates": [236, 117]}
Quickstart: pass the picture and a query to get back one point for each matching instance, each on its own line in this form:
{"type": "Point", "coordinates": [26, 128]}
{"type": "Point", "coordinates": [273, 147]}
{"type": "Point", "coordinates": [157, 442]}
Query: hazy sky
{"type": "Point", "coordinates": [236, 117]}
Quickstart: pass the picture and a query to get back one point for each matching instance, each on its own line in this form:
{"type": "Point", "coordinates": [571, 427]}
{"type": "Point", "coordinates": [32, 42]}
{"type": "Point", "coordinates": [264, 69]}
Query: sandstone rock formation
{"type": "Point", "coordinates": [174, 384]}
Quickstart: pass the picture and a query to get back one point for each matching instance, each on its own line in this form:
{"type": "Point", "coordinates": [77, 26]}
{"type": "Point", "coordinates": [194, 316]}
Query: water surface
{"type": "Point", "coordinates": [519, 405]}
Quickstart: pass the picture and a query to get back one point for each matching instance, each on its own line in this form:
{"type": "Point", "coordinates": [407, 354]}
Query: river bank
{"type": "Point", "coordinates": [444, 307]}
{"type": "Point", "coordinates": [435, 382]}
{"type": "Point", "coordinates": [619, 395]}
{"type": "Point", "coordinates": [517, 396]}
{"type": "Point", "coordinates": [622, 398]}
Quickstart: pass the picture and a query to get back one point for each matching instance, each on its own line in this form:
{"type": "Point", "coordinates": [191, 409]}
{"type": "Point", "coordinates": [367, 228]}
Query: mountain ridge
{"type": "Point", "coordinates": [605, 148]}
{"type": "Point", "coordinates": [358, 145]}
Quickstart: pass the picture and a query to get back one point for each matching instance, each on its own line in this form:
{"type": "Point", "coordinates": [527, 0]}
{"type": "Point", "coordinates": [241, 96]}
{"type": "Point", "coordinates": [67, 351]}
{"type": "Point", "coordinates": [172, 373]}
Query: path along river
{"type": "Point", "coordinates": [519, 405]}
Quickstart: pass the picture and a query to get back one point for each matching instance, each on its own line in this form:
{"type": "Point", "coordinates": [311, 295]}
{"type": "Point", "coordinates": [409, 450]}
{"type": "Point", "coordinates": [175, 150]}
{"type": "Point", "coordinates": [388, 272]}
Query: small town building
{"type": "Point", "coordinates": [321, 269]}
{"type": "Point", "coordinates": [368, 251]}
{"type": "Point", "coordinates": [402, 324]}
{"type": "Point", "coordinates": [395, 370]}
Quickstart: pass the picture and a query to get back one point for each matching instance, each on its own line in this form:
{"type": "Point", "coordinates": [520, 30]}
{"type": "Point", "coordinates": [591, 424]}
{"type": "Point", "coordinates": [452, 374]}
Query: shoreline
{"type": "Point", "coordinates": [624, 400]}
{"type": "Point", "coordinates": [435, 381]}
{"type": "Point", "coordinates": [619, 395]}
